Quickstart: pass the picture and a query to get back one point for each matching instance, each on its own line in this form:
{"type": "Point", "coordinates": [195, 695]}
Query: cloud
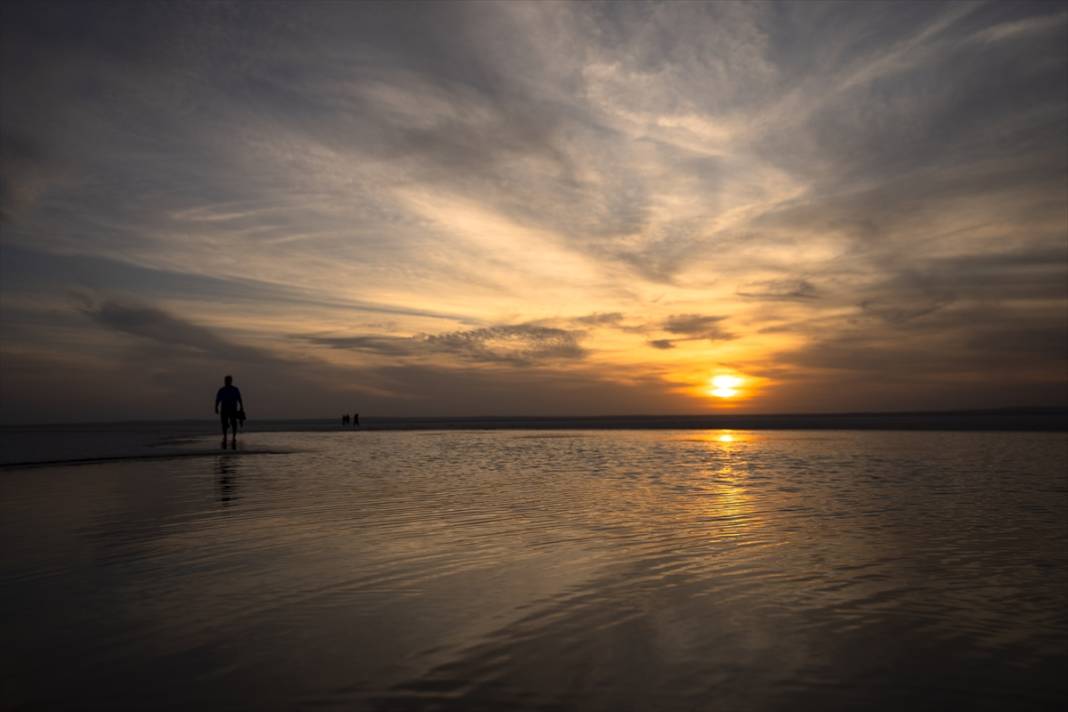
{"type": "Point", "coordinates": [696, 326]}
{"type": "Point", "coordinates": [688, 327]}
{"type": "Point", "coordinates": [27, 172]}
{"type": "Point", "coordinates": [437, 390]}
{"type": "Point", "coordinates": [381, 345]}
{"type": "Point", "coordinates": [906, 297]}
{"type": "Point", "coordinates": [815, 175]}
{"type": "Point", "coordinates": [159, 327]}
{"type": "Point", "coordinates": [691, 324]}
{"type": "Point", "coordinates": [517, 344]}
{"type": "Point", "coordinates": [600, 319]}
{"type": "Point", "coordinates": [900, 310]}
{"type": "Point", "coordinates": [159, 364]}
{"type": "Point", "coordinates": [789, 289]}
{"type": "Point", "coordinates": [1019, 29]}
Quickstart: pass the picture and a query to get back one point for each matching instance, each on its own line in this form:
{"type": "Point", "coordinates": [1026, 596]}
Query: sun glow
{"type": "Point", "coordinates": [725, 386]}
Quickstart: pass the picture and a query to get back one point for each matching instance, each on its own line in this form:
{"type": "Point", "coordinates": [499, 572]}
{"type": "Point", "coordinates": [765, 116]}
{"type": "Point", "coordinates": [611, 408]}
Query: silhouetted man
{"type": "Point", "coordinates": [356, 420]}
{"type": "Point", "coordinates": [229, 400]}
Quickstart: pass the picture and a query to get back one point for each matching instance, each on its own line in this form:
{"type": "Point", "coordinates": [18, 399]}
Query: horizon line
{"type": "Point", "coordinates": [1061, 410]}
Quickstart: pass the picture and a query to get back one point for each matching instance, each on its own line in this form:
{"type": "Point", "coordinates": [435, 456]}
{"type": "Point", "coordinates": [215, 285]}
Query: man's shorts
{"type": "Point", "coordinates": [228, 419]}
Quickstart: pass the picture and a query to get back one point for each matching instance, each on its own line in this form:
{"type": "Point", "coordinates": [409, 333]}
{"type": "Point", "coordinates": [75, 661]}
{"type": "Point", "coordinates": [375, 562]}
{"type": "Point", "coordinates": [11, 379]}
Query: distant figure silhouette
{"type": "Point", "coordinates": [355, 420]}
{"type": "Point", "coordinates": [229, 399]}
{"type": "Point", "coordinates": [345, 419]}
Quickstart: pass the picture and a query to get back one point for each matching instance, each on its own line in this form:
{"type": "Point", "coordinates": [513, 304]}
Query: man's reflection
{"type": "Point", "coordinates": [226, 474]}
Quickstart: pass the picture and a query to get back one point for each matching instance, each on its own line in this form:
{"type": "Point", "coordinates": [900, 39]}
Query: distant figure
{"type": "Point", "coordinates": [355, 420]}
{"type": "Point", "coordinates": [345, 419]}
{"type": "Point", "coordinates": [229, 399]}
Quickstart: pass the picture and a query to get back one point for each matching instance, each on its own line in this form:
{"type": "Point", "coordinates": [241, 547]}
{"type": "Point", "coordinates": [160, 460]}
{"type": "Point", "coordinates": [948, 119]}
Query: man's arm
{"type": "Point", "coordinates": [217, 393]}
{"type": "Point", "coordinates": [240, 400]}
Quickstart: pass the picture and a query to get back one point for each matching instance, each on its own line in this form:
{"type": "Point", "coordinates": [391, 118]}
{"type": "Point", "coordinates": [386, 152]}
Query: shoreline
{"type": "Point", "coordinates": [105, 459]}
{"type": "Point", "coordinates": [1009, 419]}
{"type": "Point", "coordinates": [92, 443]}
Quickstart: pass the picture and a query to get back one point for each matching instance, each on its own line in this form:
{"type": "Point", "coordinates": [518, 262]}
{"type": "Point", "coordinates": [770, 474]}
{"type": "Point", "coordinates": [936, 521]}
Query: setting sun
{"type": "Point", "coordinates": [725, 386]}
{"type": "Point", "coordinates": [735, 330]}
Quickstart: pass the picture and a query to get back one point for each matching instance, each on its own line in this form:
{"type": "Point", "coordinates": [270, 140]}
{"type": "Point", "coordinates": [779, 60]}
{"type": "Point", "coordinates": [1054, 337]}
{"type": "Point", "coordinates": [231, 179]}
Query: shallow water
{"type": "Point", "coordinates": [596, 570]}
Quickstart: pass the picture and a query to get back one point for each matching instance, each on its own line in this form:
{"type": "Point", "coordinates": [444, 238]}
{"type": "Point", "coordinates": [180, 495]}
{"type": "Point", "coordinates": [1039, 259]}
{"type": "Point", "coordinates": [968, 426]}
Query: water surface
{"type": "Point", "coordinates": [592, 570]}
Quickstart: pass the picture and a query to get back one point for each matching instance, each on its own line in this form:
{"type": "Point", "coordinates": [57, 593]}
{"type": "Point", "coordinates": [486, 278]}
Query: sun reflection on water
{"type": "Point", "coordinates": [720, 502]}
{"type": "Point", "coordinates": [723, 436]}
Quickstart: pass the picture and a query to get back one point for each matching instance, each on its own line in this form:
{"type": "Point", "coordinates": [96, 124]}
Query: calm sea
{"type": "Point", "coordinates": [563, 570]}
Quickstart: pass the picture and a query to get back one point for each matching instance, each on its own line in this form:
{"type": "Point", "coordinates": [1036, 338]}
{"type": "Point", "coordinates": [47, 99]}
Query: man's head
{"type": "Point", "coordinates": [229, 380]}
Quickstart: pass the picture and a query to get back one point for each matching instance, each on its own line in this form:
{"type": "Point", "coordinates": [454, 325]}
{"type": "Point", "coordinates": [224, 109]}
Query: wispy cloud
{"type": "Point", "coordinates": [641, 190]}
{"type": "Point", "coordinates": [517, 344]}
{"type": "Point", "coordinates": [522, 343]}
{"type": "Point", "coordinates": [778, 289]}
{"type": "Point", "coordinates": [159, 327]}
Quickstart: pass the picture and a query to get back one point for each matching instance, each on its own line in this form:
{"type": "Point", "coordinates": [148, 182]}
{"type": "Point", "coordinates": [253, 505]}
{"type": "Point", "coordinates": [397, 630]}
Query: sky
{"type": "Point", "coordinates": [531, 208]}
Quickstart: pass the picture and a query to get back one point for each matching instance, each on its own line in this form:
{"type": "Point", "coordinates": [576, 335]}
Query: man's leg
{"type": "Point", "coordinates": [222, 419]}
{"type": "Point", "coordinates": [233, 427]}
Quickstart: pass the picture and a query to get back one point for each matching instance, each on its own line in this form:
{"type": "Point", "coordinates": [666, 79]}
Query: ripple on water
{"type": "Point", "coordinates": [579, 570]}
